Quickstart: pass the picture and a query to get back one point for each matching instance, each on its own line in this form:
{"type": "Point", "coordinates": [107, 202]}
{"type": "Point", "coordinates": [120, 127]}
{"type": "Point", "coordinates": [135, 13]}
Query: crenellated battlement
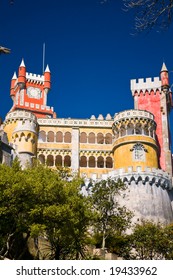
{"type": "Point", "coordinates": [145, 84]}
{"type": "Point", "coordinates": [150, 175]}
{"type": "Point", "coordinates": [128, 114]}
{"type": "Point", "coordinates": [34, 78]}
{"type": "Point", "coordinates": [26, 125]}
{"type": "Point", "coordinates": [20, 115]}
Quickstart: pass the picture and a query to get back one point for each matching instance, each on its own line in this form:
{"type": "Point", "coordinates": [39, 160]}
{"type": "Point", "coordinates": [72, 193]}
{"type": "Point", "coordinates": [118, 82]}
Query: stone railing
{"type": "Point", "coordinates": [20, 115]}
{"type": "Point", "coordinates": [128, 114]}
{"type": "Point", "coordinates": [76, 122]}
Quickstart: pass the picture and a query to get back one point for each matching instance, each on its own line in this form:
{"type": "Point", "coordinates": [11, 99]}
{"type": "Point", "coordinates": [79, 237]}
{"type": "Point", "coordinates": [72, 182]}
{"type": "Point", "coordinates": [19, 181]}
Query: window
{"type": "Point", "coordinates": [58, 160]}
{"type": "Point", "coordinates": [92, 161]}
{"type": "Point", "coordinates": [83, 161]}
{"type": "Point", "coordinates": [42, 136]}
{"type": "Point", "coordinates": [67, 161]}
{"type": "Point", "coordinates": [100, 162]}
{"type": "Point", "coordinates": [83, 137]}
{"type": "Point", "coordinates": [67, 137]}
{"type": "Point", "coordinates": [50, 160]}
{"type": "Point", "coordinates": [59, 137]}
{"type": "Point", "coordinates": [138, 152]}
{"type": "Point", "coordinates": [91, 138]}
{"type": "Point", "coordinates": [42, 158]}
{"type": "Point", "coordinates": [50, 136]}
{"type": "Point", "coordinates": [100, 138]}
{"type": "Point", "coordinates": [108, 138]}
{"type": "Point", "coordinates": [109, 163]}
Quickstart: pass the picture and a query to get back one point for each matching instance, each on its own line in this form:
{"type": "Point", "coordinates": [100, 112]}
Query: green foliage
{"type": "Point", "coordinates": [110, 216]}
{"type": "Point", "coordinates": [40, 202]}
{"type": "Point", "coordinates": [147, 241]}
{"type": "Point", "coordinates": [37, 201]}
{"type": "Point", "coordinates": [166, 242]}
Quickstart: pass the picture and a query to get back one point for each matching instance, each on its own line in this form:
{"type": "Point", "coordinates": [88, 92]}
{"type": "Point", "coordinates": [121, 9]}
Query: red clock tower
{"type": "Point", "coordinates": [29, 92]}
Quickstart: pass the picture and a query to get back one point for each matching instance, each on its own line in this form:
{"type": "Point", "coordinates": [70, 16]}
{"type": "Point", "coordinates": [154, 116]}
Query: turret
{"type": "Point", "coordinates": [22, 75]}
{"type": "Point", "coordinates": [47, 79]}
{"type": "Point", "coordinates": [22, 130]}
{"type": "Point", "coordinates": [164, 77]}
{"type": "Point", "coordinates": [134, 133]}
{"type": "Point", "coordinates": [13, 82]}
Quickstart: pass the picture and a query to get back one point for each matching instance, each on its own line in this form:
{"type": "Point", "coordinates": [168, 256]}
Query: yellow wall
{"type": "Point", "coordinates": [23, 145]}
{"type": "Point", "coordinates": [123, 157]}
{"type": "Point", "coordinates": [9, 128]}
{"type": "Point", "coordinates": [90, 171]}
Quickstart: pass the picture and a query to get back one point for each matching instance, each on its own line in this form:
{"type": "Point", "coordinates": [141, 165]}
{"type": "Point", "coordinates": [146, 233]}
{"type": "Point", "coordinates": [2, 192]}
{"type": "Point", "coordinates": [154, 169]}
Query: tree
{"type": "Point", "coordinates": [15, 202]}
{"type": "Point", "coordinates": [146, 241]}
{"type": "Point", "coordinates": [150, 13]}
{"type": "Point", "coordinates": [166, 242]}
{"type": "Point", "coordinates": [110, 216]}
{"type": "Point", "coordinates": [37, 202]}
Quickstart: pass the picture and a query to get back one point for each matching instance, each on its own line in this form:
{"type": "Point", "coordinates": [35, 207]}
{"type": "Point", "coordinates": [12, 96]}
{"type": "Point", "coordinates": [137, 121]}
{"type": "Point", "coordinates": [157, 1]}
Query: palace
{"type": "Point", "coordinates": [133, 145]}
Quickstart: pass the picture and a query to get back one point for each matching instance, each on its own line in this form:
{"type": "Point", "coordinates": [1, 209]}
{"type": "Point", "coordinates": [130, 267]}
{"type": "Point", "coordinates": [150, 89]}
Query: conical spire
{"type": "Point", "coordinates": [14, 76]}
{"type": "Point", "coordinates": [164, 68]}
{"type": "Point", "coordinates": [47, 68]}
{"type": "Point", "coordinates": [22, 63]}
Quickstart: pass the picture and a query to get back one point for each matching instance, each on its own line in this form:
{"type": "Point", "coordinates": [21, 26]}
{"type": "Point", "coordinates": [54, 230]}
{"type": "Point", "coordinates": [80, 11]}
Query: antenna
{"type": "Point", "coordinates": [43, 55]}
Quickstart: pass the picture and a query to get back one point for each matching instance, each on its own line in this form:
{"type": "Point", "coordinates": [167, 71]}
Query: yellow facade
{"type": "Point", "coordinates": [124, 154]}
{"type": "Point", "coordinates": [90, 147]}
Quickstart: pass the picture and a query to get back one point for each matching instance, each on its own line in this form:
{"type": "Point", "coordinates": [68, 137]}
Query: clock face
{"type": "Point", "coordinates": [34, 92]}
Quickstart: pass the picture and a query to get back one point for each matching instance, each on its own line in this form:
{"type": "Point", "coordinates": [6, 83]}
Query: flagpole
{"type": "Point", "coordinates": [43, 56]}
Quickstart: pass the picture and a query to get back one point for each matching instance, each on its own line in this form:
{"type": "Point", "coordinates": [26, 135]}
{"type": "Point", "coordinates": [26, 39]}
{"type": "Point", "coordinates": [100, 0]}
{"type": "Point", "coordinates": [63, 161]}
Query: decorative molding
{"type": "Point", "coordinates": [76, 122]}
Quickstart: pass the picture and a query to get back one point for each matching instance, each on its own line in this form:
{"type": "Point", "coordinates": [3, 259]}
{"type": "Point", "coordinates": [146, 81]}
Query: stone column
{"type": "Point", "coordinates": [75, 149]}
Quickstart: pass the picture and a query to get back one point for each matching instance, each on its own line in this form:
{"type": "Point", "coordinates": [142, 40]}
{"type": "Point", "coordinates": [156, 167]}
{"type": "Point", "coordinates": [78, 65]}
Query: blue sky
{"type": "Point", "coordinates": [90, 51]}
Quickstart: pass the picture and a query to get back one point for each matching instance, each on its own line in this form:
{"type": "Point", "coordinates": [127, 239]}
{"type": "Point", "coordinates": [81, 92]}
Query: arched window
{"type": "Point", "coordinates": [138, 152]}
{"type": "Point", "coordinates": [59, 137]}
{"type": "Point", "coordinates": [122, 131]}
{"type": "Point", "coordinates": [109, 163]}
{"type": "Point", "coordinates": [100, 162]}
{"type": "Point", "coordinates": [92, 162]}
{"type": "Point", "coordinates": [152, 132]}
{"type": "Point", "coordinates": [108, 138]}
{"type": "Point", "coordinates": [67, 161]}
{"type": "Point", "coordinates": [116, 133]}
{"type": "Point", "coordinates": [83, 161]}
{"type": "Point", "coordinates": [50, 160]}
{"type": "Point", "coordinates": [41, 158]}
{"type": "Point", "coordinates": [67, 137]}
{"type": "Point", "coordinates": [42, 136]}
{"type": "Point", "coordinates": [58, 160]}
{"type": "Point", "coordinates": [83, 137]}
{"type": "Point", "coordinates": [146, 131]}
{"type": "Point", "coordinates": [130, 129]}
{"type": "Point", "coordinates": [91, 138]}
{"type": "Point", "coordinates": [138, 129]}
{"type": "Point", "coordinates": [50, 136]}
{"type": "Point", "coordinates": [100, 138]}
